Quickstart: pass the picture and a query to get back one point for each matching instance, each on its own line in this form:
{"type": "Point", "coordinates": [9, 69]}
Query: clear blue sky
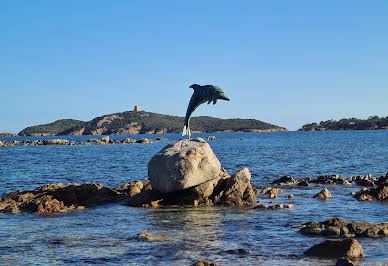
{"type": "Point", "coordinates": [282, 62]}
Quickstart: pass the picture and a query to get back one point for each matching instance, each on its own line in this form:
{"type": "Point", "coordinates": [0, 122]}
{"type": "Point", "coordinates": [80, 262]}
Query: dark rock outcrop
{"type": "Point", "coordinates": [339, 227]}
{"type": "Point", "coordinates": [349, 248]}
{"type": "Point", "coordinates": [365, 180]}
{"type": "Point", "coordinates": [380, 193]}
{"type": "Point", "coordinates": [59, 198]}
{"type": "Point", "coordinates": [344, 262]}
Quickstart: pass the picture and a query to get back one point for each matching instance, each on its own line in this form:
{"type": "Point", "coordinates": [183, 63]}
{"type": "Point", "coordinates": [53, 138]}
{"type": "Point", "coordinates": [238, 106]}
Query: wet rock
{"type": "Point", "coordinates": [365, 180]}
{"type": "Point", "coordinates": [239, 251]}
{"type": "Point", "coordinates": [58, 198]}
{"type": "Point", "coordinates": [100, 142]}
{"type": "Point", "coordinates": [161, 139]}
{"type": "Point", "coordinates": [93, 140]}
{"type": "Point", "coordinates": [211, 138]}
{"type": "Point", "coordinates": [344, 262]}
{"type": "Point", "coordinates": [128, 141]}
{"type": "Point", "coordinates": [238, 191]}
{"type": "Point", "coordinates": [271, 191]}
{"type": "Point", "coordinates": [132, 188]}
{"type": "Point", "coordinates": [105, 139]}
{"type": "Point", "coordinates": [304, 182]}
{"type": "Point", "coordinates": [290, 196]}
{"type": "Point", "coordinates": [323, 195]}
{"type": "Point", "coordinates": [261, 207]}
{"type": "Point", "coordinates": [349, 248]}
{"type": "Point", "coordinates": [277, 206]}
{"type": "Point", "coordinates": [55, 142]}
{"type": "Point", "coordinates": [151, 237]}
{"type": "Point", "coordinates": [380, 193]}
{"type": "Point", "coordinates": [183, 164]}
{"type": "Point", "coordinates": [143, 140]}
{"type": "Point", "coordinates": [331, 179]}
{"type": "Point", "coordinates": [204, 263]}
{"type": "Point", "coordinates": [339, 227]}
{"type": "Point", "coordinates": [286, 180]}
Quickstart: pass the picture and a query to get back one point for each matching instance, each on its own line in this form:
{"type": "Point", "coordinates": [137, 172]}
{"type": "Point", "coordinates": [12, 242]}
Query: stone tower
{"type": "Point", "coordinates": [137, 108]}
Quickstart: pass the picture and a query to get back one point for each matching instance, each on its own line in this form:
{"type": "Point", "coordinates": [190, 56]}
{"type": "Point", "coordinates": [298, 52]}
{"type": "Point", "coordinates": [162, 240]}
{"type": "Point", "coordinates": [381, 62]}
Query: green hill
{"type": "Point", "coordinates": [142, 122]}
{"type": "Point", "coordinates": [373, 122]}
{"type": "Point", "coordinates": [51, 129]}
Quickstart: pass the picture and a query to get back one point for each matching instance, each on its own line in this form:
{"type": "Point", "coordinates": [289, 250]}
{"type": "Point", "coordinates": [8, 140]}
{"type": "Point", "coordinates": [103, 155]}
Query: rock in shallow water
{"type": "Point", "coordinates": [58, 198]}
{"type": "Point", "coordinates": [339, 227]}
{"type": "Point", "coordinates": [151, 237]}
{"type": "Point", "coordinates": [183, 164]}
{"type": "Point", "coordinates": [323, 195]}
{"type": "Point", "coordinates": [380, 193]}
{"type": "Point", "coordinates": [349, 248]}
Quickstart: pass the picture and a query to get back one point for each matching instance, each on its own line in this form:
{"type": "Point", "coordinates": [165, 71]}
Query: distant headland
{"type": "Point", "coordinates": [142, 122]}
{"type": "Point", "coordinates": [372, 123]}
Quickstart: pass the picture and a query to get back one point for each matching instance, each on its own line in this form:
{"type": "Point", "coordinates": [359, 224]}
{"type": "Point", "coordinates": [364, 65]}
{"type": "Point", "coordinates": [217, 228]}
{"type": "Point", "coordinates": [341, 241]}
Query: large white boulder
{"type": "Point", "coordinates": [183, 164]}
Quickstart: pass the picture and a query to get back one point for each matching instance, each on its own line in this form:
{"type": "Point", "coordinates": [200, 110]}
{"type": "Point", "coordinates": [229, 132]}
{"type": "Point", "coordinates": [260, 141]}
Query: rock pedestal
{"type": "Point", "coordinates": [188, 173]}
{"type": "Point", "coordinates": [183, 164]}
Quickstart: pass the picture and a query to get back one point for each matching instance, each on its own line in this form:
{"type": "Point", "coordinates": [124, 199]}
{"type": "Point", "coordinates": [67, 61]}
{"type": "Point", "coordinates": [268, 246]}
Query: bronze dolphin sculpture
{"type": "Point", "coordinates": [201, 95]}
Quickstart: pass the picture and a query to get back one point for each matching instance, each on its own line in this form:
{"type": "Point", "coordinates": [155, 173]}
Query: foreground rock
{"type": "Point", "coordinates": [58, 198]}
{"type": "Point", "coordinates": [339, 227]}
{"type": "Point", "coordinates": [183, 164]}
{"type": "Point", "coordinates": [349, 248]}
{"type": "Point", "coordinates": [225, 190]}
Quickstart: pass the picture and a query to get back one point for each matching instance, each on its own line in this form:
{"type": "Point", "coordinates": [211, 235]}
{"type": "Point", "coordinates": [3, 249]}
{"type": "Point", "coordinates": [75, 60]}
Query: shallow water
{"type": "Point", "coordinates": [107, 234]}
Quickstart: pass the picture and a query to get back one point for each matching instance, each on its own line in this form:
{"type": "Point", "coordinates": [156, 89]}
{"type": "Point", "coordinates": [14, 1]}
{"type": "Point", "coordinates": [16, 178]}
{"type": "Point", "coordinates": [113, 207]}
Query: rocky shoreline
{"type": "Point", "coordinates": [188, 174]}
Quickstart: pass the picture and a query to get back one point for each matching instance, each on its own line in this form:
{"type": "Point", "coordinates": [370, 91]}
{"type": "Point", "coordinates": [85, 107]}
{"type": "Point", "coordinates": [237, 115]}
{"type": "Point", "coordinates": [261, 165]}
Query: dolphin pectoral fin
{"type": "Point", "coordinates": [214, 101]}
{"type": "Point", "coordinates": [209, 101]}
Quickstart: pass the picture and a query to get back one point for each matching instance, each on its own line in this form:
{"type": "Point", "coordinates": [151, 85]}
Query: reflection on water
{"type": "Point", "coordinates": [107, 234]}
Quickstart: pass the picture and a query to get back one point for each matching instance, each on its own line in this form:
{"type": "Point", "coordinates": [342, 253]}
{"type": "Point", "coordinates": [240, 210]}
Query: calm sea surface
{"type": "Point", "coordinates": [107, 234]}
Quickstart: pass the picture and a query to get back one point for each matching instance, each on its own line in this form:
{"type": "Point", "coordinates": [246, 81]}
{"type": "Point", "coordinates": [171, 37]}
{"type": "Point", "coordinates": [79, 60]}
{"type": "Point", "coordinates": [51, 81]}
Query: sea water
{"type": "Point", "coordinates": [107, 234]}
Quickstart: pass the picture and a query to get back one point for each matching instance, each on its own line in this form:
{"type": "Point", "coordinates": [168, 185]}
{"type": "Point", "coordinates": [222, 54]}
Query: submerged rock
{"type": "Point", "coordinates": [58, 198]}
{"type": "Point", "coordinates": [151, 237]}
{"type": "Point", "coordinates": [339, 227]}
{"type": "Point", "coordinates": [239, 251]}
{"type": "Point", "coordinates": [344, 262]}
{"type": "Point", "coordinates": [323, 195]}
{"type": "Point", "coordinates": [349, 248]}
{"type": "Point", "coordinates": [183, 164]}
{"type": "Point", "coordinates": [204, 263]}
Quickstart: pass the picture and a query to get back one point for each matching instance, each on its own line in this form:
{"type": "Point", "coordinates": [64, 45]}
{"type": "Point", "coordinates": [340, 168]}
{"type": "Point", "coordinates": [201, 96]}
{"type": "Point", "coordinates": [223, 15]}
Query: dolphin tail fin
{"type": "Point", "coordinates": [186, 131]}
